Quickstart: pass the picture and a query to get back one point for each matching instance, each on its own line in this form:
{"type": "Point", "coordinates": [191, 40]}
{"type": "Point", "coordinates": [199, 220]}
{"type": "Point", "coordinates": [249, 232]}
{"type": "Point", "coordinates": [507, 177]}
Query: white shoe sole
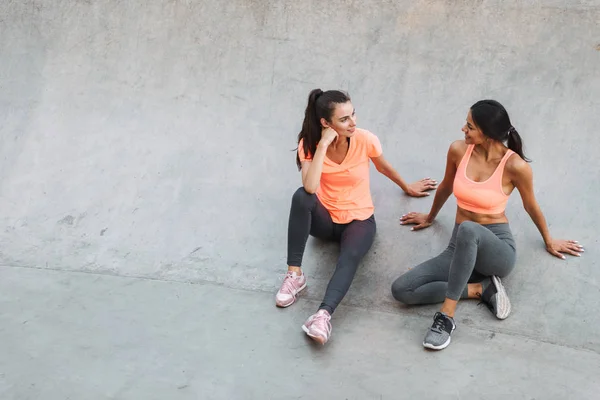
{"type": "Point", "coordinates": [503, 306]}
{"type": "Point", "coordinates": [294, 297]}
{"type": "Point", "coordinates": [441, 346]}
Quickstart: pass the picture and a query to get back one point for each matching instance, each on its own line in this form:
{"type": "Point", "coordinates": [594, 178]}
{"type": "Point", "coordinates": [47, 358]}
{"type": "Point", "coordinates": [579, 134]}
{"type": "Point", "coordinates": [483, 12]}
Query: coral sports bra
{"type": "Point", "coordinates": [485, 197]}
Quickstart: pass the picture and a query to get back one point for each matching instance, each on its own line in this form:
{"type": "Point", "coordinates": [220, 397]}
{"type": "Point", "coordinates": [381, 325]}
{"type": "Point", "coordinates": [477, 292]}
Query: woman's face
{"type": "Point", "coordinates": [343, 119]}
{"type": "Point", "coordinates": [473, 135]}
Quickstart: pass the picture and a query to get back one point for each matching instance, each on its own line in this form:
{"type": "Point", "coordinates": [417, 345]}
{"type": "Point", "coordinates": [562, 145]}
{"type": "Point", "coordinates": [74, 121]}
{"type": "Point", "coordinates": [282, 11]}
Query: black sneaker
{"type": "Point", "coordinates": [496, 299]}
{"type": "Point", "coordinates": [438, 336]}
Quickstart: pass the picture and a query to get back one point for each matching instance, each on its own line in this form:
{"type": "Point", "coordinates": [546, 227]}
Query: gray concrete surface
{"type": "Point", "coordinates": [104, 337]}
{"type": "Point", "coordinates": [150, 141]}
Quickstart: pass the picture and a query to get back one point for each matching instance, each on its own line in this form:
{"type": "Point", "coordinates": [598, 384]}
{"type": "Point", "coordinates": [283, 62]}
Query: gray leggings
{"type": "Point", "coordinates": [474, 253]}
{"type": "Point", "coordinates": [309, 216]}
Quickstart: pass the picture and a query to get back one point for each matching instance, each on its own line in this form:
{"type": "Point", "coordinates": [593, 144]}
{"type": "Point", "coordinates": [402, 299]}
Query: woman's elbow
{"type": "Point", "coordinates": [310, 189]}
{"type": "Point", "coordinates": [529, 209]}
{"type": "Point", "coordinates": [381, 169]}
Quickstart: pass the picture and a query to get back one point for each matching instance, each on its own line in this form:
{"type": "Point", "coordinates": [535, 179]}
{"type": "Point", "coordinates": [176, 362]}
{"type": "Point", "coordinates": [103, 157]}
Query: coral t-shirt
{"type": "Point", "coordinates": [344, 188]}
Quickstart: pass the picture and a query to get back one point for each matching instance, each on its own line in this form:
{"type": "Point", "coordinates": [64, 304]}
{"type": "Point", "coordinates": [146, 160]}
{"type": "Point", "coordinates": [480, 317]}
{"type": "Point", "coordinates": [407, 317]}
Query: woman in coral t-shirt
{"type": "Point", "coordinates": [334, 202]}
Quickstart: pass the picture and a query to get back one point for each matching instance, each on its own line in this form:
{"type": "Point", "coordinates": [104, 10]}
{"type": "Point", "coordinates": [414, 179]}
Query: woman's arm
{"type": "Point", "coordinates": [522, 178]}
{"type": "Point", "coordinates": [312, 169]}
{"type": "Point", "coordinates": [416, 189]}
{"type": "Point", "coordinates": [444, 191]}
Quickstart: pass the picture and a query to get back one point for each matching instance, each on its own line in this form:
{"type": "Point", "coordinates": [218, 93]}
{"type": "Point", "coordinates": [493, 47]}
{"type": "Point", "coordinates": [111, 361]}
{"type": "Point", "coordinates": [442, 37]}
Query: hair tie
{"type": "Point", "coordinates": [511, 130]}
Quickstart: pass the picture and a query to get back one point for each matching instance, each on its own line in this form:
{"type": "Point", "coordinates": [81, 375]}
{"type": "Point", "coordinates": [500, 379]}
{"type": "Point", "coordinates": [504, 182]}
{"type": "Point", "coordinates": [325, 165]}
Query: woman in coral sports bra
{"type": "Point", "coordinates": [482, 172]}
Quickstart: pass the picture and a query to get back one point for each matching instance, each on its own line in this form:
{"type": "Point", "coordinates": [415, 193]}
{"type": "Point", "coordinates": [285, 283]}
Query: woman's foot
{"type": "Point", "coordinates": [318, 327]}
{"type": "Point", "coordinates": [291, 286]}
{"type": "Point", "coordinates": [438, 336]}
{"type": "Point", "coordinates": [496, 299]}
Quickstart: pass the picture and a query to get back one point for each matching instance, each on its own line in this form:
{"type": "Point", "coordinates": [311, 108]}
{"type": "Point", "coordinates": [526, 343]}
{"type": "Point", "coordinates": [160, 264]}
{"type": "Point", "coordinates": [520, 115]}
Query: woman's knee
{"type": "Point", "coordinates": [352, 255]}
{"type": "Point", "coordinates": [302, 198]}
{"type": "Point", "coordinates": [467, 230]}
{"type": "Point", "coordinates": [401, 291]}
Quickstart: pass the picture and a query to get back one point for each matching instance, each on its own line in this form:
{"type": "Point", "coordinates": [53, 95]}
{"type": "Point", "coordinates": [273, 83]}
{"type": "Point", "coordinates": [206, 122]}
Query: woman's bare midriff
{"type": "Point", "coordinates": [463, 215]}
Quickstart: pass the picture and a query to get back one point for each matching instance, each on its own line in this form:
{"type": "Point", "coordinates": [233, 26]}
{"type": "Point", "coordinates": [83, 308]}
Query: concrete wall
{"type": "Point", "coordinates": [154, 139]}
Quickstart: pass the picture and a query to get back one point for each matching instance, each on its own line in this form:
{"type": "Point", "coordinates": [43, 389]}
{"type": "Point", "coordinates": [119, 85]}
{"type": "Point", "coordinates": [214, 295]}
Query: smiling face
{"type": "Point", "coordinates": [343, 119]}
{"type": "Point", "coordinates": [473, 135]}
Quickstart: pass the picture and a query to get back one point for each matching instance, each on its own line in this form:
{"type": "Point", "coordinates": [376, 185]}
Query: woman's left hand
{"type": "Point", "coordinates": [557, 246]}
{"type": "Point", "coordinates": [420, 188]}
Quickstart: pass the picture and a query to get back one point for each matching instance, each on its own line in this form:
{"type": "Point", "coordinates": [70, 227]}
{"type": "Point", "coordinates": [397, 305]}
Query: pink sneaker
{"type": "Point", "coordinates": [318, 327]}
{"type": "Point", "coordinates": [291, 286]}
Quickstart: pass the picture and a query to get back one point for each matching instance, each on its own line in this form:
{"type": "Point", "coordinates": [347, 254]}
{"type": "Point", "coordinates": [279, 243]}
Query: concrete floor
{"type": "Point", "coordinates": [146, 173]}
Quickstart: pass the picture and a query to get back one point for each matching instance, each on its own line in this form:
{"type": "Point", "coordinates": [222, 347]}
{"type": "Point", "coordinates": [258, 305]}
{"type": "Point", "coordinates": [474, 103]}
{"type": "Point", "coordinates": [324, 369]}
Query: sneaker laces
{"type": "Point", "coordinates": [288, 286]}
{"type": "Point", "coordinates": [438, 323]}
{"type": "Point", "coordinates": [321, 322]}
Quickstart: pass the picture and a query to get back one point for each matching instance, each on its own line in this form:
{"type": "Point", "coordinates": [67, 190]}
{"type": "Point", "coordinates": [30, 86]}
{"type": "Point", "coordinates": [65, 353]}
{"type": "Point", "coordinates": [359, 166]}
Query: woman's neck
{"type": "Point", "coordinates": [491, 149]}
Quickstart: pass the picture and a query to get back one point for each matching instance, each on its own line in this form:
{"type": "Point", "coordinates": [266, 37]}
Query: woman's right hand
{"type": "Point", "coordinates": [417, 219]}
{"type": "Point", "coordinates": [328, 136]}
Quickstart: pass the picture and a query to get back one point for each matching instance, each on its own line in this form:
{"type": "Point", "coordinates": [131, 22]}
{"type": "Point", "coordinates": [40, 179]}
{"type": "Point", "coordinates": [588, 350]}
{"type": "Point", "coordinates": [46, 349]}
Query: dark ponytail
{"type": "Point", "coordinates": [515, 143]}
{"type": "Point", "coordinates": [493, 120]}
{"type": "Point", "coordinates": [320, 105]}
